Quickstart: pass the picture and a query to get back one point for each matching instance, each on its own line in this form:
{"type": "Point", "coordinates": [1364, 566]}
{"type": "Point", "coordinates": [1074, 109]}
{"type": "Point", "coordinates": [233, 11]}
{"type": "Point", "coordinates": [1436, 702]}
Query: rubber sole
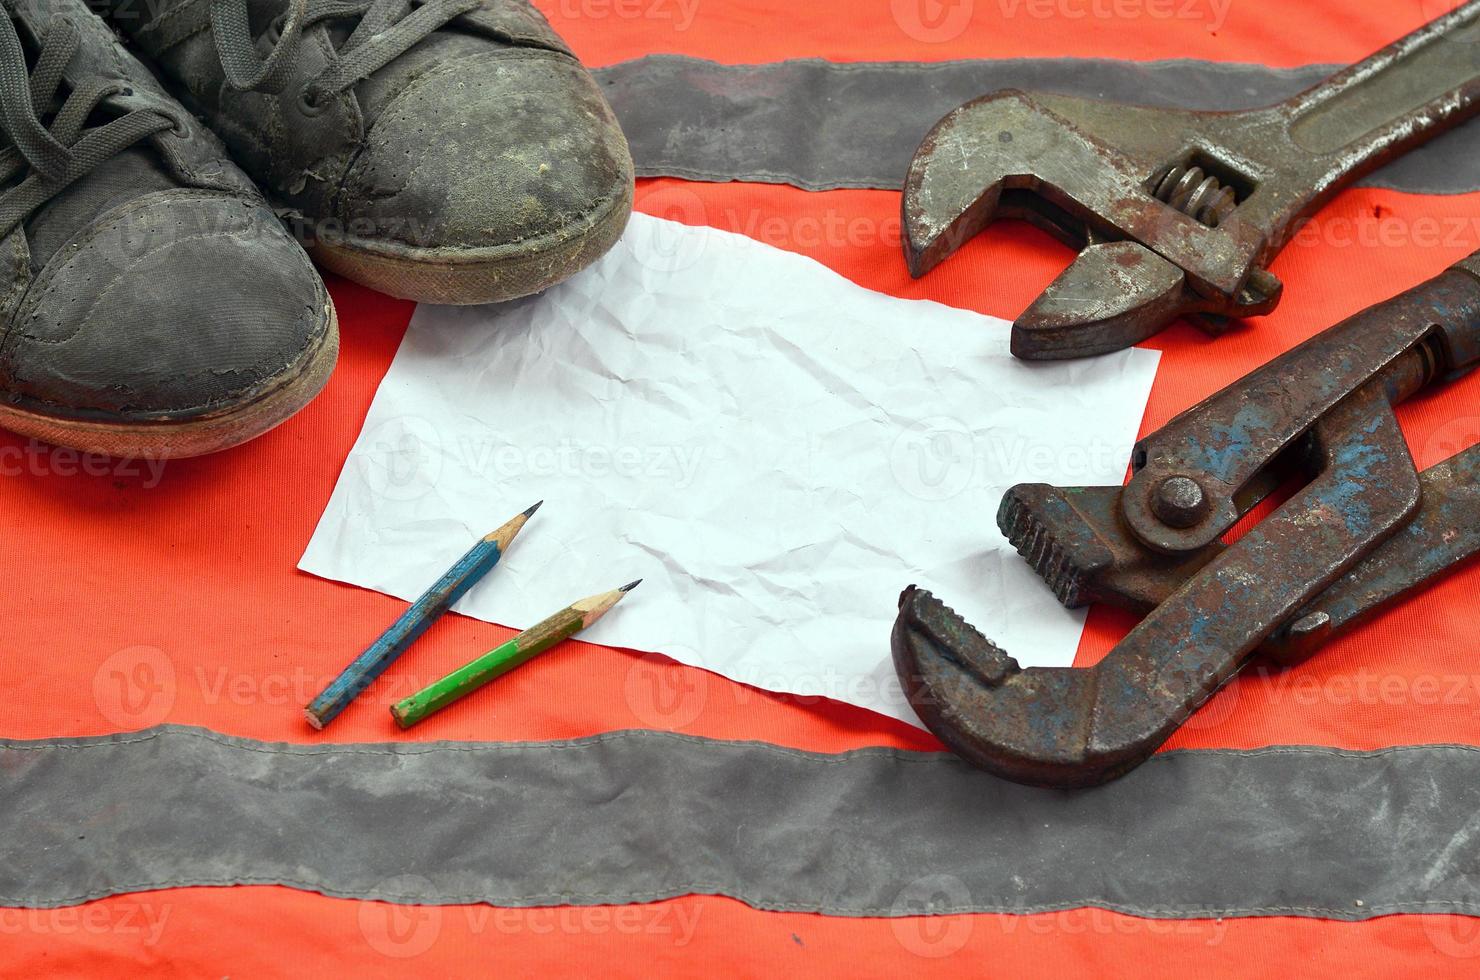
{"type": "Point", "coordinates": [167, 439]}
{"type": "Point", "coordinates": [464, 277]}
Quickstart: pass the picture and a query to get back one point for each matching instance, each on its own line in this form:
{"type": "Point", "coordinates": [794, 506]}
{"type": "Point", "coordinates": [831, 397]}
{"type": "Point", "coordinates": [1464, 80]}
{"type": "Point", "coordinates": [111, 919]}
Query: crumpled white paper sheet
{"type": "Point", "coordinates": [774, 450]}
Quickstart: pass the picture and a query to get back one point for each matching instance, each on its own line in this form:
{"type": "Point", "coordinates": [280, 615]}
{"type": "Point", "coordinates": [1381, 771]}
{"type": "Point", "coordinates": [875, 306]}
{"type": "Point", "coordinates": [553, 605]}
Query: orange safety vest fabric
{"type": "Point", "coordinates": [137, 597]}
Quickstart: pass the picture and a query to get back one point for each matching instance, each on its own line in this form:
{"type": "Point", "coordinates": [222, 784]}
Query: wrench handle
{"type": "Point", "coordinates": [1444, 533]}
{"type": "Point", "coordinates": [1395, 99]}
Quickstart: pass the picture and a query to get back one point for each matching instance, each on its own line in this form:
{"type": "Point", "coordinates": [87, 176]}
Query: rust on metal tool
{"type": "Point", "coordinates": [1175, 212]}
{"type": "Point", "coordinates": [1444, 533]}
{"type": "Point", "coordinates": [1365, 529]}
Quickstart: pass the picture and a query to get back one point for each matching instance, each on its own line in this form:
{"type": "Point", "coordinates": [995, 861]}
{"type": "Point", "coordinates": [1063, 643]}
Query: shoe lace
{"type": "Point", "coordinates": [48, 159]}
{"type": "Point", "coordinates": [386, 30]}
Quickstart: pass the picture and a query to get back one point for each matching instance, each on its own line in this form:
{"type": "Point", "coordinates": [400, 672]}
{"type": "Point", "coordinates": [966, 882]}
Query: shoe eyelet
{"type": "Point", "coordinates": [307, 105]}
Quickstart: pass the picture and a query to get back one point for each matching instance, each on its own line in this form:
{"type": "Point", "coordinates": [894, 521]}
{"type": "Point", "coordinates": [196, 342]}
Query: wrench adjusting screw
{"type": "Point", "coordinates": [1196, 193]}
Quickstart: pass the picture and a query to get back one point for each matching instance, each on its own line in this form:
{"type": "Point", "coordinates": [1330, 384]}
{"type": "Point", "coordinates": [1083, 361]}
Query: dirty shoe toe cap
{"type": "Point", "coordinates": [178, 305]}
{"type": "Point", "coordinates": [512, 151]}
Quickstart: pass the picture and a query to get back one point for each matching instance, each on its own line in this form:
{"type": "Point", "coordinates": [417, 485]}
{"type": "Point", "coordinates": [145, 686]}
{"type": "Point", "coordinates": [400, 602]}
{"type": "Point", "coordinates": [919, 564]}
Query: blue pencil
{"type": "Point", "coordinates": [458, 579]}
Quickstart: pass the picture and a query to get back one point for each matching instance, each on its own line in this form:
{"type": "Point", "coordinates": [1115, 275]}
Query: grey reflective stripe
{"type": "Point", "coordinates": [639, 816]}
{"type": "Point", "coordinates": [821, 125]}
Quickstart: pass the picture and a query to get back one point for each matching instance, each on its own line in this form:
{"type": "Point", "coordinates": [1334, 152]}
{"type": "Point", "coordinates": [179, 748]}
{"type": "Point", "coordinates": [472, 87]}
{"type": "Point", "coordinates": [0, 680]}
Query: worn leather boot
{"type": "Point", "coordinates": [151, 304]}
{"type": "Point", "coordinates": [450, 151]}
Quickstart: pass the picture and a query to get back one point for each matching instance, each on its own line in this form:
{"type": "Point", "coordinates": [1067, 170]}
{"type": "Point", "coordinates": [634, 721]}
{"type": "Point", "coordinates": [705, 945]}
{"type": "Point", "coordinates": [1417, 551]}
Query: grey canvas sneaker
{"type": "Point", "coordinates": [452, 151]}
{"type": "Point", "coordinates": [151, 304]}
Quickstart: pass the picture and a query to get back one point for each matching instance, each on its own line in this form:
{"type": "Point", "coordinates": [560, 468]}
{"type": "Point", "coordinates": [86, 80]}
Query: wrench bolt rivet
{"type": "Point", "coordinates": [1180, 502]}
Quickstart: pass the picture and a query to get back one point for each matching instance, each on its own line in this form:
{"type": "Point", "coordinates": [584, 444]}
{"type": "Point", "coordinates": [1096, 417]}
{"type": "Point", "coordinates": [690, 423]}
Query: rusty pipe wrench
{"type": "Point", "coordinates": [1176, 212]}
{"type": "Point", "coordinates": [1365, 529]}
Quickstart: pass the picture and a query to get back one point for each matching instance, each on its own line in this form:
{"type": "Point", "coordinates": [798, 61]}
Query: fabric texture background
{"type": "Point", "coordinates": [138, 597]}
{"type": "Point", "coordinates": [821, 125]}
{"type": "Point", "coordinates": [630, 817]}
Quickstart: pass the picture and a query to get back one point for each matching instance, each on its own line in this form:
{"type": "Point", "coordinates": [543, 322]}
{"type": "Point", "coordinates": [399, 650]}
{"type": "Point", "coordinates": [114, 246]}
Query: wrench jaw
{"type": "Point", "coordinates": [1153, 193]}
{"type": "Point", "coordinates": [1363, 530]}
{"type": "Point", "coordinates": [1031, 726]}
{"type": "Point", "coordinates": [1007, 155]}
{"type": "Point", "coordinates": [1076, 539]}
{"type": "Point", "coordinates": [1113, 295]}
{"type": "Point", "coordinates": [1021, 725]}
{"type": "Point", "coordinates": [945, 204]}
{"type": "Point", "coordinates": [1119, 293]}
{"type": "Point", "coordinates": [1052, 727]}
{"type": "Point", "coordinates": [962, 178]}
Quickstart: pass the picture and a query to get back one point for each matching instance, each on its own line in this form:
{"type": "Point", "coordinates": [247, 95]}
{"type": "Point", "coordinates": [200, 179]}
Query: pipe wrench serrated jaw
{"type": "Point", "coordinates": [1362, 529]}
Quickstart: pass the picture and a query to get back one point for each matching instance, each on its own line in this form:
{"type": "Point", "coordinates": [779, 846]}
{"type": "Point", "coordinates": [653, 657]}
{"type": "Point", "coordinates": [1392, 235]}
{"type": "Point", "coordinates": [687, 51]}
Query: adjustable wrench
{"type": "Point", "coordinates": [1176, 212]}
{"type": "Point", "coordinates": [1366, 529]}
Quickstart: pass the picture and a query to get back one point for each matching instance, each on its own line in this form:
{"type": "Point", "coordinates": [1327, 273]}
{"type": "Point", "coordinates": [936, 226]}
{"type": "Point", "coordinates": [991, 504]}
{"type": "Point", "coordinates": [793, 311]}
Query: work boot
{"type": "Point", "coordinates": [450, 151]}
{"type": "Point", "coordinates": [151, 304]}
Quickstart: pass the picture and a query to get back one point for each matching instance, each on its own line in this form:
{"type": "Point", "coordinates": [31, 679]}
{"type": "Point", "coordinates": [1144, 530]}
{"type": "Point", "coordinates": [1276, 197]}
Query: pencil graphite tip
{"type": "Point", "coordinates": [630, 586]}
{"type": "Point", "coordinates": [505, 533]}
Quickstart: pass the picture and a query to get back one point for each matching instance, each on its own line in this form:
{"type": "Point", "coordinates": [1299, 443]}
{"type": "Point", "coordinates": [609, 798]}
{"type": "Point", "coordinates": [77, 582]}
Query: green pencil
{"type": "Point", "coordinates": [506, 656]}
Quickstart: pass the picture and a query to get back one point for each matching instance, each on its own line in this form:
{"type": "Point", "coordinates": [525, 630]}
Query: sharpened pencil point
{"type": "Point", "coordinates": [506, 532]}
{"type": "Point", "coordinates": [630, 586]}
